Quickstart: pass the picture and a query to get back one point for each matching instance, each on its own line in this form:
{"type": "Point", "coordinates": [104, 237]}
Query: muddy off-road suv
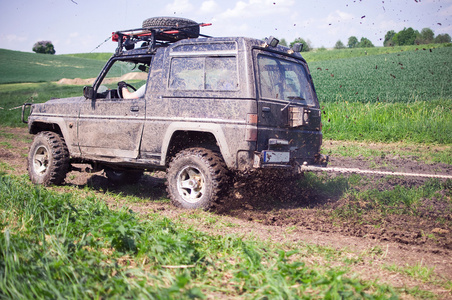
{"type": "Point", "coordinates": [212, 107]}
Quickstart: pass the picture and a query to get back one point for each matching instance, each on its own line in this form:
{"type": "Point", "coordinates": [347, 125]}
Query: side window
{"type": "Point", "coordinates": [187, 73]}
{"type": "Point", "coordinates": [203, 73]}
{"type": "Point", "coordinates": [221, 73]}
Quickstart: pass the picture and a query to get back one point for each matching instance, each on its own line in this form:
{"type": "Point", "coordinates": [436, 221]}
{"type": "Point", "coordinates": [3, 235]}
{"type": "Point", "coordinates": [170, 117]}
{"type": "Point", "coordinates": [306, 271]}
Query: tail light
{"type": "Point", "coordinates": [251, 128]}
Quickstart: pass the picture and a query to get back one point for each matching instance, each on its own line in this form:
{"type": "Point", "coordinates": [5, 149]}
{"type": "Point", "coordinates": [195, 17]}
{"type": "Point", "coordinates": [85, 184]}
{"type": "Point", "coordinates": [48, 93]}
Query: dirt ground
{"type": "Point", "coordinates": [296, 214]}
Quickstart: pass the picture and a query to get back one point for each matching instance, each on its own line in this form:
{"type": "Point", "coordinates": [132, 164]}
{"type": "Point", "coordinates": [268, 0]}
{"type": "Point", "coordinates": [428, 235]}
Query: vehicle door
{"type": "Point", "coordinates": [110, 126]}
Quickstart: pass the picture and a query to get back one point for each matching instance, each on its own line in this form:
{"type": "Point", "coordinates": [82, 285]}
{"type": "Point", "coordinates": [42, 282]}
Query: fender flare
{"type": "Point", "coordinates": [61, 123]}
{"type": "Point", "coordinates": [212, 128]}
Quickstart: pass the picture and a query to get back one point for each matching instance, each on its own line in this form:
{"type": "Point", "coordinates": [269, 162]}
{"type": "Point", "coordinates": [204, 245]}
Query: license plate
{"type": "Point", "coordinates": [275, 157]}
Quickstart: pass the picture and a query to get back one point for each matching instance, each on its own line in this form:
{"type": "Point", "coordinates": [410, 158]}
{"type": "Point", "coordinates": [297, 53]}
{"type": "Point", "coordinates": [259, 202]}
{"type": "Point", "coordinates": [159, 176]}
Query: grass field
{"type": "Point", "coordinates": [388, 95]}
{"type": "Point", "coordinates": [317, 55]}
{"type": "Point", "coordinates": [16, 67]}
{"type": "Point", "coordinates": [396, 77]}
{"type": "Point", "coordinates": [71, 245]}
{"type": "Point", "coordinates": [67, 242]}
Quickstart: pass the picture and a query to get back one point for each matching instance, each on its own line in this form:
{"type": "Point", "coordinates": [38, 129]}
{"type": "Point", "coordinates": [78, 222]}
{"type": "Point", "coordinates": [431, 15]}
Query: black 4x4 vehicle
{"type": "Point", "coordinates": [212, 106]}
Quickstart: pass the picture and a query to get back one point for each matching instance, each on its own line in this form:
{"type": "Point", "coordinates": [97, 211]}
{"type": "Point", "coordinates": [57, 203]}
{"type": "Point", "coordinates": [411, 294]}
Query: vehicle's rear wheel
{"type": "Point", "coordinates": [195, 178]}
{"type": "Point", "coordinates": [123, 177]}
{"type": "Point", "coordinates": [48, 159]}
{"type": "Point", "coordinates": [189, 28]}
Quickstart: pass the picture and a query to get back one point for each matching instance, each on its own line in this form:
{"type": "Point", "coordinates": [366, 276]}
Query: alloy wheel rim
{"type": "Point", "coordinates": [191, 184]}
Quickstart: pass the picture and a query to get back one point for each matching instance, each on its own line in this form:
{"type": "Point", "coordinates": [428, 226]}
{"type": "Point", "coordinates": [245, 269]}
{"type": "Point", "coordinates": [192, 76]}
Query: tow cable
{"type": "Point", "coordinates": [359, 171]}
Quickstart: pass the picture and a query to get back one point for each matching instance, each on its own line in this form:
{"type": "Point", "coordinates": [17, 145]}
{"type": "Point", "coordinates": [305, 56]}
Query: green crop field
{"type": "Point", "coordinates": [396, 77]}
{"type": "Point", "coordinates": [320, 55]}
{"type": "Point", "coordinates": [386, 94]}
{"type": "Point", "coordinates": [98, 56]}
{"type": "Point", "coordinates": [401, 96]}
{"type": "Point", "coordinates": [18, 67]}
{"type": "Point", "coordinates": [84, 240]}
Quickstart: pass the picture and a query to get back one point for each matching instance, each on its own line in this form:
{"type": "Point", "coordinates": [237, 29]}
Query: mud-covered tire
{"type": "Point", "coordinates": [190, 28]}
{"type": "Point", "coordinates": [123, 177]}
{"type": "Point", "coordinates": [48, 159]}
{"type": "Point", "coordinates": [196, 177]}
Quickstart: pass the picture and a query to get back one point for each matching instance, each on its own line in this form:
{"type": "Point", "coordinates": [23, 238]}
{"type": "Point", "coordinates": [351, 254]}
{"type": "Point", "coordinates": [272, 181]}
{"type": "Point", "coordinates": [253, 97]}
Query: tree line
{"type": "Point", "coordinates": [407, 36]}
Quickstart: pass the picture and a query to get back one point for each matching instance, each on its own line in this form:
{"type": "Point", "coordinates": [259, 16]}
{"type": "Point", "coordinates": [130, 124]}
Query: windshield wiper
{"type": "Point", "coordinates": [291, 100]}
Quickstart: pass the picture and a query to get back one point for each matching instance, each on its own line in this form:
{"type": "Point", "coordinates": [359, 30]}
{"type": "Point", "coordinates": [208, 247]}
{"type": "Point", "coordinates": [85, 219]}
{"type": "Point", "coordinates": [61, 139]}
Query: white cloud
{"type": "Point", "coordinates": [258, 8]}
{"type": "Point", "coordinates": [178, 7]}
{"type": "Point", "coordinates": [12, 38]}
{"type": "Point", "coordinates": [16, 42]}
{"type": "Point", "coordinates": [209, 7]}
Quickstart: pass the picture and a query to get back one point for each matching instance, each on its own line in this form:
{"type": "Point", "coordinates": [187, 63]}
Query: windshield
{"type": "Point", "coordinates": [284, 80]}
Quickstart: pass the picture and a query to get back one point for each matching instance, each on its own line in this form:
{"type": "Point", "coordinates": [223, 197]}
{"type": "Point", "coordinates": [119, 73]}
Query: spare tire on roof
{"type": "Point", "coordinates": [187, 28]}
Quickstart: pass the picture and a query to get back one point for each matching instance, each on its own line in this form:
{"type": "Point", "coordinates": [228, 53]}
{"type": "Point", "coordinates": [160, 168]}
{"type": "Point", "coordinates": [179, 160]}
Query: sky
{"type": "Point", "coordinates": [80, 26]}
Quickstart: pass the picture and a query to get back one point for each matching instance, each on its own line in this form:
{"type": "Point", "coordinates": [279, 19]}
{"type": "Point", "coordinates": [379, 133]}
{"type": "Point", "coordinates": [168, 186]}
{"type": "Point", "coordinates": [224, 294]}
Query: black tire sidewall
{"type": "Point", "coordinates": [192, 158]}
{"type": "Point", "coordinates": [170, 23]}
{"type": "Point", "coordinates": [58, 155]}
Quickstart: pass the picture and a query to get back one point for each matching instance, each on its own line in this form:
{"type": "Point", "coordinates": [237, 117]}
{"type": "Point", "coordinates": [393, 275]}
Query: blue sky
{"type": "Point", "coordinates": [76, 26]}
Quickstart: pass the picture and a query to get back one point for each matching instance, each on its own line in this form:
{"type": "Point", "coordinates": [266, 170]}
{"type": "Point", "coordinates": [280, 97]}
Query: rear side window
{"type": "Point", "coordinates": [284, 80]}
{"type": "Point", "coordinates": [204, 73]}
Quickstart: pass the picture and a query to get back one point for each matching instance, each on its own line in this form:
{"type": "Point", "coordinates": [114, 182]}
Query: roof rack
{"type": "Point", "coordinates": [152, 38]}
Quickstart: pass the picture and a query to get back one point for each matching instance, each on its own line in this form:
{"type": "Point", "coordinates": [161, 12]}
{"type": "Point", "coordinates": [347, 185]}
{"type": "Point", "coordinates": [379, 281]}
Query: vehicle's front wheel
{"type": "Point", "coordinates": [195, 178]}
{"type": "Point", "coordinates": [48, 159]}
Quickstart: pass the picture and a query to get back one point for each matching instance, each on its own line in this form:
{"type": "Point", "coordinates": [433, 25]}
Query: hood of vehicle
{"type": "Point", "coordinates": [59, 107]}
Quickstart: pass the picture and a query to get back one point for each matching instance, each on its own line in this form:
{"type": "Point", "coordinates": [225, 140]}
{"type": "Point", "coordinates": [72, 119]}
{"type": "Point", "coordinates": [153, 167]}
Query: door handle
{"type": "Point", "coordinates": [134, 108]}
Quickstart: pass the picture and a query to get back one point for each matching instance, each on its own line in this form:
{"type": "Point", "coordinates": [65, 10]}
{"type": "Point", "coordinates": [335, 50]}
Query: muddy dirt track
{"type": "Point", "coordinates": [297, 213]}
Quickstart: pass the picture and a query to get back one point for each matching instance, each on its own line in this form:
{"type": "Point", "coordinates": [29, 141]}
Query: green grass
{"type": "Point", "coordinates": [397, 77]}
{"type": "Point", "coordinates": [17, 67]}
{"type": "Point", "coordinates": [73, 246]}
{"type": "Point", "coordinates": [418, 271]}
{"type": "Point", "coordinates": [313, 56]}
{"type": "Point", "coordinates": [362, 195]}
{"type": "Point", "coordinates": [14, 95]}
{"type": "Point", "coordinates": [389, 95]}
{"type": "Point", "coordinates": [416, 122]}
{"type": "Point", "coordinates": [425, 153]}
{"type": "Point", "coordinates": [98, 56]}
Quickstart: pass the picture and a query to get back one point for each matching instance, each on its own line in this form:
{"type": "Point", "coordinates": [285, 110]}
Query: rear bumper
{"type": "Point", "coordinates": [282, 159]}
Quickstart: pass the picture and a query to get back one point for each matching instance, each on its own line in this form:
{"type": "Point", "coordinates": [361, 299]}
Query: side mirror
{"type": "Point", "coordinates": [88, 92]}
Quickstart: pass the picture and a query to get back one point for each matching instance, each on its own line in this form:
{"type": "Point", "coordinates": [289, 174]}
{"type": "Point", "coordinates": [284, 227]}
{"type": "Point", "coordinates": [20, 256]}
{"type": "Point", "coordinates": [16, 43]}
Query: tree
{"type": "Point", "coordinates": [442, 38]}
{"type": "Point", "coordinates": [352, 42]}
{"type": "Point", "coordinates": [339, 45]}
{"type": "Point", "coordinates": [306, 44]}
{"type": "Point", "coordinates": [388, 38]}
{"type": "Point", "coordinates": [283, 42]}
{"type": "Point", "coordinates": [365, 43]}
{"type": "Point", "coordinates": [426, 36]}
{"type": "Point", "coordinates": [407, 36]}
{"type": "Point", "coordinates": [45, 47]}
